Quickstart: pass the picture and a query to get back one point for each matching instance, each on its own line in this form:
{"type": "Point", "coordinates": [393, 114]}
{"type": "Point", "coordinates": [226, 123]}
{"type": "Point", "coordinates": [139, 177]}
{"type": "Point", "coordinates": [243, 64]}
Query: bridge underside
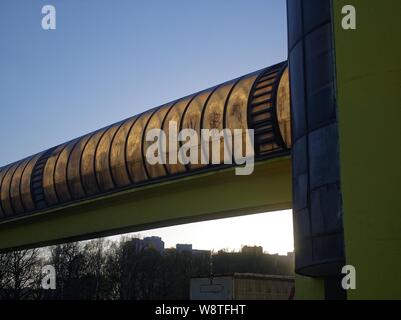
{"type": "Point", "coordinates": [212, 195]}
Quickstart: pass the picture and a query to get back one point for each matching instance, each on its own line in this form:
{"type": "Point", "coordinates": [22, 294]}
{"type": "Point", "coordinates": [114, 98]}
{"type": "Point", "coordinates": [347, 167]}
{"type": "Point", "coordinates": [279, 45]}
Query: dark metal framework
{"type": "Point", "coordinates": [113, 158]}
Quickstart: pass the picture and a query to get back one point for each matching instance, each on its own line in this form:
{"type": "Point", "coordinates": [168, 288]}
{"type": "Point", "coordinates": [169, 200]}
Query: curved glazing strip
{"type": "Point", "coordinates": [170, 127]}
{"type": "Point", "coordinates": [158, 169]}
{"type": "Point", "coordinates": [74, 168]}
{"type": "Point", "coordinates": [3, 172]}
{"type": "Point", "coordinates": [88, 174]}
{"type": "Point", "coordinates": [237, 104]}
{"type": "Point", "coordinates": [49, 187]}
{"type": "Point", "coordinates": [237, 110]}
{"type": "Point", "coordinates": [102, 159]}
{"type": "Point", "coordinates": [60, 173]}
{"type": "Point", "coordinates": [282, 107]}
{"type": "Point", "coordinates": [214, 119]}
{"type": "Point", "coordinates": [118, 162]}
{"type": "Point", "coordinates": [15, 191]}
{"type": "Point", "coordinates": [5, 190]}
{"type": "Point", "coordinates": [192, 120]}
{"type": "Point", "coordinates": [134, 156]}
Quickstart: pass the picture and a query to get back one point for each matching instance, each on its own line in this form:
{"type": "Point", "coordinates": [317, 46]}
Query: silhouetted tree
{"type": "Point", "coordinates": [19, 274]}
{"type": "Point", "coordinates": [125, 270]}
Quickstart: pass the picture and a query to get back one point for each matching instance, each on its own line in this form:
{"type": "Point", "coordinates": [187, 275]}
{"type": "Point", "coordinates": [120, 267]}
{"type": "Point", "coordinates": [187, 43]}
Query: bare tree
{"type": "Point", "coordinates": [94, 252]}
{"type": "Point", "coordinates": [19, 274]}
{"type": "Point", "coordinates": [70, 264]}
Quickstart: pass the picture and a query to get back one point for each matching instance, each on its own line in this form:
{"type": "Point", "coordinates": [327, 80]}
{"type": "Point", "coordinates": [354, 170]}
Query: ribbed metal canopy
{"type": "Point", "coordinates": [113, 158]}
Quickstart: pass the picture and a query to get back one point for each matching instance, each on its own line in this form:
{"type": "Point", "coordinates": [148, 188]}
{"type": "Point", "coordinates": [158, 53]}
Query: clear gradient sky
{"type": "Point", "coordinates": [108, 60]}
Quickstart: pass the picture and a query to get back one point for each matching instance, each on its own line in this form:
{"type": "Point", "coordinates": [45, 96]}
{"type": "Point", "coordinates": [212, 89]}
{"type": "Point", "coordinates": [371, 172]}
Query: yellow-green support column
{"type": "Point", "coordinates": [307, 288]}
{"type": "Point", "coordinates": [369, 102]}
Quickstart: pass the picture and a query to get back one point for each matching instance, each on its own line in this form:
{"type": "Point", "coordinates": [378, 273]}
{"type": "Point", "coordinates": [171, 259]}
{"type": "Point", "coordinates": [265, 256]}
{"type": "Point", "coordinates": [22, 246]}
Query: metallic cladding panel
{"type": "Point", "coordinates": [262, 112]}
{"type": "Point", "coordinates": [114, 157]}
{"type": "Point", "coordinates": [317, 209]}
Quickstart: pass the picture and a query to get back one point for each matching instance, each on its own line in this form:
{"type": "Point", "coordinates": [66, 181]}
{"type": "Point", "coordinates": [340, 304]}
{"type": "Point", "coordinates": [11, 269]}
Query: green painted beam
{"type": "Point", "coordinates": [215, 194]}
{"type": "Point", "coordinates": [368, 62]}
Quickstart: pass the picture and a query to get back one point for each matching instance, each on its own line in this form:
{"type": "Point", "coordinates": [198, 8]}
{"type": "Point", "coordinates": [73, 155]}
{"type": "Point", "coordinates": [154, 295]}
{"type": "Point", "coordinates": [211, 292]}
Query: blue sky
{"type": "Point", "coordinates": [108, 60]}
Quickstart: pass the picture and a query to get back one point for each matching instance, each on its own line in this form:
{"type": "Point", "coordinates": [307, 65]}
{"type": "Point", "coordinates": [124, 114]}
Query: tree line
{"type": "Point", "coordinates": [101, 269]}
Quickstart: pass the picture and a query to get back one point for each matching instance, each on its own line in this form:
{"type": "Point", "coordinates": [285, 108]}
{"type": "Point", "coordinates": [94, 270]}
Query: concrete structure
{"type": "Point", "coordinates": [242, 286]}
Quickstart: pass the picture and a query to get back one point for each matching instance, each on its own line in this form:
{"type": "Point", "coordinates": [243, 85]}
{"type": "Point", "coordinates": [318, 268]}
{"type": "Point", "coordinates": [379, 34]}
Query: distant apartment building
{"type": "Point", "coordinates": [252, 250]}
{"type": "Point", "coordinates": [155, 243]}
{"type": "Point", "coordinates": [188, 248]}
{"type": "Point", "coordinates": [197, 252]}
{"type": "Point", "coordinates": [180, 247]}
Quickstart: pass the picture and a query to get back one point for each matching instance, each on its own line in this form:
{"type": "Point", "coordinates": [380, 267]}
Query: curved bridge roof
{"type": "Point", "coordinates": [113, 158]}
